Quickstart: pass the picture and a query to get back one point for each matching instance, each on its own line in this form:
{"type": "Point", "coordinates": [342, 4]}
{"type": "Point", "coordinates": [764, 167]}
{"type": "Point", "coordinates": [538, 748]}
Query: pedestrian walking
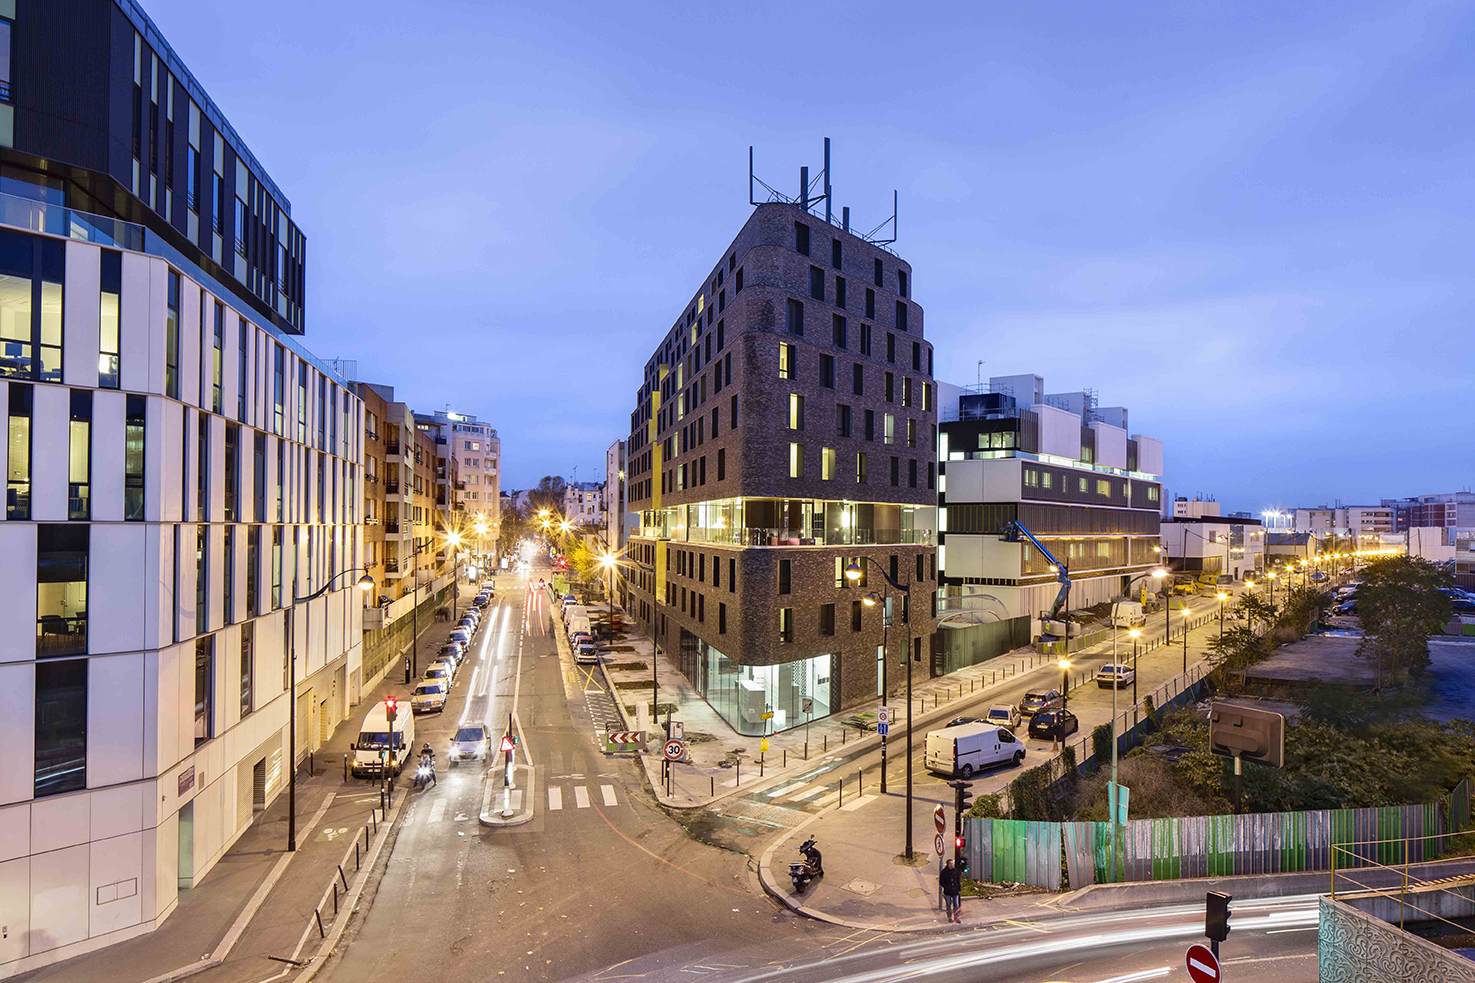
{"type": "Point", "coordinates": [952, 887]}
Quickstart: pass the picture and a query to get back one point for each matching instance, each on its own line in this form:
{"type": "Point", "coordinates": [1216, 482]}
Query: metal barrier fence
{"type": "Point", "coordinates": [1213, 846]}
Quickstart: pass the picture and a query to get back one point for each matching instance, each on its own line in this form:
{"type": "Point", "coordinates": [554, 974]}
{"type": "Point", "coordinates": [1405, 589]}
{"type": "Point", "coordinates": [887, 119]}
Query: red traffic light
{"type": "Point", "coordinates": [958, 842]}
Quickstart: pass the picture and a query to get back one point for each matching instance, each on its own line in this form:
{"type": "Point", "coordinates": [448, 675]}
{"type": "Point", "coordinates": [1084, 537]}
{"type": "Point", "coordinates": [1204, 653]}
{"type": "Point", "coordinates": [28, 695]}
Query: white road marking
{"type": "Point", "coordinates": [852, 806]}
{"type": "Point", "coordinates": [608, 792]}
{"type": "Point", "coordinates": [437, 811]}
{"type": "Point", "coordinates": [817, 790]}
{"type": "Point", "coordinates": [555, 798]}
{"type": "Point", "coordinates": [581, 797]}
{"type": "Point", "coordinates": [783, 790]}
{"type": "Point", "coordinates": [517, 800]}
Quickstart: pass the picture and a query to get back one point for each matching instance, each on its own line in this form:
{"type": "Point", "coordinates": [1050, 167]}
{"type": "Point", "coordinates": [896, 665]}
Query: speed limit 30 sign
{"type": "Point", "coordinates": [675, 750]}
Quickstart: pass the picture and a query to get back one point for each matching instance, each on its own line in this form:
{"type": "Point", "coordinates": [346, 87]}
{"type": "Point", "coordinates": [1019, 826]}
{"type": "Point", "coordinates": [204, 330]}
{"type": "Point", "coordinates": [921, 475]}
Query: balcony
{"type": "Point", "coordinates": [372, 479]}
{"type": "Point", "coordinates": [392, 527]}
{"type": "Point", "coordinates": [391, 487]}
{"type": "Point", "coordinates": [39, 216]}
{"type": "Point", "coordinates": [371, 520]}
{"type": "Point", "coordinates": [460, 486]}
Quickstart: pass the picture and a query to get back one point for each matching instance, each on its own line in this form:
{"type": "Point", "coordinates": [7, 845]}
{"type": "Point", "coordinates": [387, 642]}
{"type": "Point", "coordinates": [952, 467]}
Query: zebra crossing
{"type": "Point", "coordinates": [581, 796]}
{"type": "Point", "coordinates": [812, 794]}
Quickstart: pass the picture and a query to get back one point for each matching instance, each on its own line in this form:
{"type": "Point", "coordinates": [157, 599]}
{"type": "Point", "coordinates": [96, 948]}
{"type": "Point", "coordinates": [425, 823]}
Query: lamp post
{"type": "Point", "coordinates": [853, 574]}
{"type": "Point", "coordinates": [871, 600]}
{"type": "Point", "coordinates": [1271, 575]}
{"type": "Point", "coordinates": [1222, 598]}
{"type": "Point", "coordinates": [1064, 665]}
{"type": "Point", "coordinates": [365, 583]}
{"type": "Point", "coordinates": [1136, 633]}
{"type": "Point", "coordinates": [1185, 639]}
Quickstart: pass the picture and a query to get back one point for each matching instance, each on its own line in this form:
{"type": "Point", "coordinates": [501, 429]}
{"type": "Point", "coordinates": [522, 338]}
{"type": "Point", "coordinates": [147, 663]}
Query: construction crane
{"type": "Point", "coordinates": [1011, 533]}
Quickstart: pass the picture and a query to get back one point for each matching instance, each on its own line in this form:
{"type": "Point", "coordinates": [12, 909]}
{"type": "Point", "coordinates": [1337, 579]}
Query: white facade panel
{"type": "Point", "coordinates": [189, 342]}
{"type": "Point", "coordinates": [18, 588]}
{"type": "Point", "coordinates": [965, 481]}
{"type": "Point", "coordinates": [15, 828]}
{"type": "Point", "coordinates": [109, 412]}
{"type": "Point", "coordinates": [158, 305]}
{"type": "Point", "coordinates": [83, 311]}
{"type": "Point", "coordinates": [1111, 445]}
{"type": "Point", "coordinates": [1060, 432]}
{"type": "Point", "coordinates": [15, 908]}
{"type": "Point", "coordinates": [59, 888]}
{"type": "Point", "coordinates": [18, 732]}
{"type": "Point", "coordinates": [134, 345]}
{"type": "Point", "coordinates": [117, 577]}
{"type": "Point", "coordinates": [115, 720]}
{"type": "Point", "coordinates": [60, 821]}
{"type": "Point", "coordinates": [116, 868]}
{"type": "Point", "coordinates": [50, 413]}
{"type": "Point", "coordinates": [1149, 454]}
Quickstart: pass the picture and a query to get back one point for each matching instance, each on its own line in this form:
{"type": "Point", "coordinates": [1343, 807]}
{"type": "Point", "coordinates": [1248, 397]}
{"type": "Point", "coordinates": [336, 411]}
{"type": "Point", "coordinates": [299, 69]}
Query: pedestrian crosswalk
{"type": "Point", "coordinates": [813, 794]}
{"type": "Point", "coordinates": [582, 798]}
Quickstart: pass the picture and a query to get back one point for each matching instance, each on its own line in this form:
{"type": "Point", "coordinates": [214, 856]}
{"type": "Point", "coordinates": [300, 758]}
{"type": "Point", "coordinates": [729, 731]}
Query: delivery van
{"type": "Point", "coordinates": [1129, 614]}
{"type": "Point", "coordinates": [370, 750]}
{"type": "Point", "coordinates": [576, 625]}
{"type": "Point", "coordinates": [962, 752]}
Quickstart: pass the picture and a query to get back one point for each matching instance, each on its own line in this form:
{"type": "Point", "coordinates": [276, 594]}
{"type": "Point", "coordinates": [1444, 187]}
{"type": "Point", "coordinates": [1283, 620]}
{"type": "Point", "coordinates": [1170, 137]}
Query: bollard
{"type": "Point", "coordinates": [357, 865]}
{"type": "Point", "coordinates": [345, 769]}
{"type": "Point", "coordinates": [827, 742]}
{"type": "Point", "coordinates": [335, 900]}
{"type": "Point", "coordinates": [738, 773]}
{"type": "Point", "coordinates": [843, 735]}
{"type": "Point", "coordinates": [842, 792]}
{"type": "Point", "coordinates": [786, 757]}
{"type": "Point", "coordinates": [342, 878]}
{"type": "Point", "coordinates": [860, 786]}
{"type": "Point", "coordinates": [713, 782]}
{"type": "Point", "coordinates": [760, 766]}
{"type": "Point", "coordinates": [319, 916]}
{"type": "Point", "coordinates": [806, 750]}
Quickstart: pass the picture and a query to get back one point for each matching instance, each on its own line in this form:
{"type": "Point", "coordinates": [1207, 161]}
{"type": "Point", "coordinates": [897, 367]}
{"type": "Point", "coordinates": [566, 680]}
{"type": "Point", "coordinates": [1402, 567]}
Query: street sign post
{"type": "Point", "coordinates": [1203, 965]}
{"type": "Point", "coordinates": [675, 750]}
{"type": "Point", "coordinates": [616, 741]}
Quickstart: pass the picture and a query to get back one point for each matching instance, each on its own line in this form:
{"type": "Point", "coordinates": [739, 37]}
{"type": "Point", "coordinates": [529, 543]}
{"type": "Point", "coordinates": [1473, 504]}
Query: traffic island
{"type": "Point", "coordinates": [503, 806]}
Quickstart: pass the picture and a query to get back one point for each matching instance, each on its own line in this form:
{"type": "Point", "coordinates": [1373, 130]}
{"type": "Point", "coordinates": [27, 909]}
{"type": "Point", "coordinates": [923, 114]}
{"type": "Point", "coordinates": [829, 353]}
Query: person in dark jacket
{"type": "Point", "coordinates": [952, 886]}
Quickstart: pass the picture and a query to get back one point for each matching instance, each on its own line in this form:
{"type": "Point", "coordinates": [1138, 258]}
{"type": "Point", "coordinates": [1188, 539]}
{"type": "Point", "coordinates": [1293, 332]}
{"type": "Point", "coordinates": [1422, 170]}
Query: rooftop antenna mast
{"type": "Point", "coordinates": [811, 193]}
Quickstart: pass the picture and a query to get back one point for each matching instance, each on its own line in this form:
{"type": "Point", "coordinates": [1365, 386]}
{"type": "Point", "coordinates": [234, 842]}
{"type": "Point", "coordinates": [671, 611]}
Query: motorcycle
{"type": "Point", "coordinates": [811, 867]}
{"type": "Point", "coordinates": [425, 774]}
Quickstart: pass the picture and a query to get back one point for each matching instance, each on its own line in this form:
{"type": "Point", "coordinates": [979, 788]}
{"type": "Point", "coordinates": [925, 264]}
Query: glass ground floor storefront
{"type": "Point", "coordinates": [743, 694]}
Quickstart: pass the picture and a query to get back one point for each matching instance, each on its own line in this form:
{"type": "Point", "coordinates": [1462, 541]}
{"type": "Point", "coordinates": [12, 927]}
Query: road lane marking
{"type": "Point", "coordinates": [581, 797]}
{"type": "Point", "coordinates": [783, 790]}
{"type": "Point", "coordinates": [811, 793]}
{"type": "Point", "coordinates": [852, 806]}
{"type": "Point", "coordinates": [555, 798]}
{"type": "Point", "coordinates": [437, 811]}
{"type": "Point", "coordinates": [517, 800]}
{"type": "Point", "coordinates": [608, 793]}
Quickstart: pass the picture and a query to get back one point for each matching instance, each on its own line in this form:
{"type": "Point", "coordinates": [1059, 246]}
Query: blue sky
{"type": "Point", "coordinates": [1250, 224]}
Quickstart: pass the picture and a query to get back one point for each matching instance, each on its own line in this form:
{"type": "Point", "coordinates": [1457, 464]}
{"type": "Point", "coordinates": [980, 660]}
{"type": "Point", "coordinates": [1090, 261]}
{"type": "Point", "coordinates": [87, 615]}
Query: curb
{"type": "Point", "coordinates": [491, 816]}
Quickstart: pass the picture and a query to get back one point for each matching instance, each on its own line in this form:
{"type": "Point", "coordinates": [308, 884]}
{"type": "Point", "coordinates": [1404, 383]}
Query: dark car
{"type": "Point", "coordinates": [960, 721]}
{"type": "Point", "coordinates": [1346, 607]}
{"type": "Point", "coordinates": [1037, 700]}
{"type": "Point", "coordinates": [1056, 723]}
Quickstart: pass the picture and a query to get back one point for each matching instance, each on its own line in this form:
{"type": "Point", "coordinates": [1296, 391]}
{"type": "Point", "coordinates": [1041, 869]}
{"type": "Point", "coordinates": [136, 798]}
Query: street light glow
{"type": "Point", "coordinates": [852, 573]}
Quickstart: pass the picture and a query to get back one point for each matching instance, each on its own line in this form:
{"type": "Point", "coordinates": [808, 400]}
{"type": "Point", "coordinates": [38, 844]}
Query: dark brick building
{"type": "Point", "coordinates": [786, 427]}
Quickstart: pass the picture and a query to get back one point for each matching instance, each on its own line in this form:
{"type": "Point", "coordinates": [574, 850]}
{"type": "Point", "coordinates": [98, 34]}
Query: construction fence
{"type": "Point", "coordinates": [1045, 853]}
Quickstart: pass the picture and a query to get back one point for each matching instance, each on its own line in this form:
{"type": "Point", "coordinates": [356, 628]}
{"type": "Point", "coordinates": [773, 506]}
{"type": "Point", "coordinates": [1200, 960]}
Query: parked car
{"type": "Point", "coordinates": [967, 749]}
{"type": "Point", "coordinates": [438, 670]}
{"type": "Point", "coordinates": [1038, 700]}
{"type": "Point", "coordinates": [481, 600]}
{"type": "Point", "coordinates": [1117, 675]}
{"type": "Point", "coordinates": [429, 695]}
{"type": "Point", "coordinates": [586, 651]}
{"type": "Point", "coordinates": [1002, 715]}
{"type": "Point", "coordinates": [450, 663]}
{"type": "Point", "coordinates": [1346, 607]}
{"type": "Point", "coordinates": [472, 742]}
{"type": "Point", "coordinates": [453, 650]}
{"type": "Point", "coordinates": [462, 635]}
{"type": "Point", "coordinates": [1053, 723]}
{"type": "Point", "coordinates": [964, 721]}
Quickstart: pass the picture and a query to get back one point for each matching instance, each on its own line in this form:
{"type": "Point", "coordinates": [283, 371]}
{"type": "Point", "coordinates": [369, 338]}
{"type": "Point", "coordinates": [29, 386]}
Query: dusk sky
{"type": "Point", "coordinates": [1250, 224]}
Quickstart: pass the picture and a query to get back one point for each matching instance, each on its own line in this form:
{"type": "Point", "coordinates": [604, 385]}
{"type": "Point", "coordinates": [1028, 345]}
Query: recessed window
{"type": "Point", "coordinates": [794, 321]}
{"type": "Point", "coordinates": [801, 238]}
{"type": "Point", "coordinates": [796, 460]}
{"type": "Point", "coordinates": [816, 283]}
{"type": "Point", "coordinates": [835, 253]}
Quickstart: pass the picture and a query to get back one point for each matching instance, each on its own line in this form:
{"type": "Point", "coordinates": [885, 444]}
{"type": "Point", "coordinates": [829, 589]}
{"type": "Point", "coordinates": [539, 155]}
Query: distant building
{"type": "Point", "coordinates": [475, 451]}
{"type": "Point", "coordinates": [1069, 472]}
{"type": "Point", "coordinates": [583, 503]}
{"type": "Point", "coordinates": [1194, 508]}
{"type": "Point", "coordinates": [618, 520]}
{"type": "Point", "coordinates": [1214, 544]}
{"type": "Point", "coordinates": [1452, 509]}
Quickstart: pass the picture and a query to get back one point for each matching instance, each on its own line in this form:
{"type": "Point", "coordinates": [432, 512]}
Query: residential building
{"type": "Point", "coordinates": [1289, 547]}
{"type": "Point", "coordinates": [180, 469]}
{"type": "Point", "coordinates": [1214, 544]}
{"type": "Point", "coordinates": [1089, 490]}
{"type": "Point", "coordinates": [583, 503]}
{"type": "Point", "coordinates": [783, 430]}
{"type": "Point", "coordinates": [476, 452]}
{"type": "Point", "coordinates": [1195, 508]}
{"type": "Point", "coordinates": [1452, 509]}
{"type": "Point", "coordinates": [617, 520]}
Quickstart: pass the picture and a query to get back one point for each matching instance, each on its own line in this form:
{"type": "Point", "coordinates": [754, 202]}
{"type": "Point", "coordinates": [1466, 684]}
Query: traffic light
{"type": "Point", "coordinates": [1216, 916]}
{"type": "Point", "coordinates": [961, 852]}
{"type": "Point", "coordinates": [965, 799]}
{"type": "Point", "coordinates": [391, 707]}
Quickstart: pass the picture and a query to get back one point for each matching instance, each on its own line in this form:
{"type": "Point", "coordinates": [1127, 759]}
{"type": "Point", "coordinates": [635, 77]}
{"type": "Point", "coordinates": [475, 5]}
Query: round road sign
{"type": "Point", "coordinates": [675, 750]}
{"type": "Point", "coordinates": [939, 819]}
{"type": "Point", "coordinates": [1203, 965]}
{"type": "Point", "coordinates": [938, 844]}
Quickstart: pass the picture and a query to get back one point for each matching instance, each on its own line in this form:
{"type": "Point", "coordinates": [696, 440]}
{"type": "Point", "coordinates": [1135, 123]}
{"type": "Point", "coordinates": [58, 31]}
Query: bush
{"type": "Point", "coordinates": [985, 807]}
{"type": "Point", "coordinates": [1101, 747]}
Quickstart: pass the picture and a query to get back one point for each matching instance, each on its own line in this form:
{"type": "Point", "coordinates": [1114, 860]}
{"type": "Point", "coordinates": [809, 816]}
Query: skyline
{"type": "Point", "coordinates": [1244, 207]}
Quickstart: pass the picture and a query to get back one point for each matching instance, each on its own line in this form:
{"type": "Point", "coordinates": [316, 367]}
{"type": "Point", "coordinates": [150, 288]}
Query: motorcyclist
{"type": "Point", "coordinates": [427, 758]}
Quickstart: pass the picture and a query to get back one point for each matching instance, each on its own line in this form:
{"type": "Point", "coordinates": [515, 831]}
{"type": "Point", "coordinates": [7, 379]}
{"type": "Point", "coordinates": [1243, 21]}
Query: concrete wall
{"type": "Point", "coordinates": [1355, 946]}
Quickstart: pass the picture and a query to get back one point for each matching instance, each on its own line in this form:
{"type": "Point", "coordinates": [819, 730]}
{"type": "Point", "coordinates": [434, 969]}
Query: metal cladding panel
{"type": "Point", "coordinates": [1080, 853]}
{"type": "Point", "coordinates": [979, 834]}
{"type": "Point", "coordinates": [1043, 846]}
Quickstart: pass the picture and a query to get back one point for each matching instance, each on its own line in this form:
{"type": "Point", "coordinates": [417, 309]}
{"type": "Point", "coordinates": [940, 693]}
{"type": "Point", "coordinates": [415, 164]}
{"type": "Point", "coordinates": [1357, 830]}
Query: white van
{"type": "Point", "coordinates": [368, 750]}
{"type": "Point", "coordinates": [1129, 614]}
{"type": "Point", "coordinates": [962, 752]}
{"type": "Point", "coordinates": [573, 611]}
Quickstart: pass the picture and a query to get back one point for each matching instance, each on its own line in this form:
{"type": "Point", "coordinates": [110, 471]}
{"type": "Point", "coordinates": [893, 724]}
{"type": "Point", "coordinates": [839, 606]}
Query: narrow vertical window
{"type": "Point", "coordinates": [108, 375]}
{"type": "Point", "coordinates": [79, 455]}
{"type": "Point", "coordinates": [276, 567]}
{"type": "Point", "coordinates": [217, 355]}
{"type": "Point", "coordinates": [242, 361]}
{"type": "Point", "coordinates": [61, 726]}
{"type": "Point", "coordinates": [18, 464]}
{"type": "Point", "coordinates": [278, 390]}
{"type": "Point", "coordinates": [258, 478]}
{"type": "Point", "coordinates": [795, 317]}
{"type": "Point", "coordinates": [202, 468]}
{"type": "Point", "coordinates": [228, 576]}
{"type": "Point", "coordinates": [53, 275]}
{"type": "Point", "coordinates": [204, 689]}
{"type": "Point", "coordinates": [133, 448]}
{"type": "Point", "coordinates": [301, 402]}
{"type": "Point", "coordinates": [253, 569]}
{"type": "Point", "coordinates": [232, 472]}
{"type": "Point", "coordinates": [171, 338]}
{"type": "Point", "coordinates": [202, 577]}
{"type": "Point", "coordinates": [248, 668]}
{"type": "Point", "coordinates": [61, 590]}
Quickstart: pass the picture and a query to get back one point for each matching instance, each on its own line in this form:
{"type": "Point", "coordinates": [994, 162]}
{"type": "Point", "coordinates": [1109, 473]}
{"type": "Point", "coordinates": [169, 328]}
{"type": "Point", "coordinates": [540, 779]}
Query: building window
{"type": "Point", "coordinates": [838, 330]}
{"type": "Point", "coordinates": [171, 338]}
{"type": "Point", "coordinates": [278, 390]}
{"type": "Point", "coordinates": [839, 291]}
{"type": "Point", "coordinates": [202, 467]}
{"type": "Point", "coordinates": [816, 283]}
{"type": "Point", "coordinates": [856, 607]}
{"type": "Point", "coordinates": [917, 356]}
{"type": "Point", "coordinates": [722, 619]}
{"type": "Point", "coordinates": [796, 460]}
{"type": "Point", "coordinates": [827, 619]}
{"type": "Point", "coordinates": [801, 238]}
{"type": "Point", "coordinates": [870, 303]}
{"type": "Point", "coordinates": [18, 464]}
{"type": "Point", "coordinates": [79, 456]}
{"type": "Point", "coordinates": [258, 477]}
{"type": "Point", "coordinates": [888, 433]}
{"type": "Point", "coordinates": [870, 424]}
{"type": "Point", "coordinates": [911, 432]}
{"type": "Point", "coordinates": [61, 590]}
{"type": "Point", "coordinates": [248, 667]}
{"type": "Point", "coordinates": [912, 472]}
{"type": "Point", "coordinates": [202, 576]}
{"type": "Point", "coordinates": [796, 411]}
{"type": "Point", "coordinates": [795, 318]}
{"type": "Point", "coordinates": [111, 303]}
{"type": "Point", "coordinates": [217, 360]}
{"type": "Point", "coordinates": [860, 467]}
{"type": "Point", "coordinates": [253, 558]}
{"type": "Point", "coordinates": [228, 576]}
{"type": "Point", "coordinates": [731, 575]}
{"type": "Point", "coordinates": [61, 726]}
{"type": "Point", "coordinates": [901, 315]}
{"type": "Point", "coordinates": [890, 388]}
{"type": "Point", "coordinates": [827, 371]}
{"type": "Point", "coordinates": [739, 288]}
{"type": "Point", "coordinates": [785, 625]}
{"type": "Point", "coordinates": [232, 472]}
{"type": "Point", "coordinates": [835, 253]}
{"type": "Point", "coordinates": [842, 420]}
{"type": "Point", "coordinates": [133, 456]}
{"type": "Point", "coordinates": [827, 463]}
{"type": "Point", "coordinates": [1103, 487]}
{"type": "Point", "coordinates": [879, 279]}
{"type": "Point", "coordinates": [895, 472]}
{"type": "Point", "coordinates": [788, 367]}
{"type": "Point", "coordinates": [204, 689]}
{"type": "Point", "coordinates": [276, 567]}
{"type": "Point", "coordinates": [721, 463]}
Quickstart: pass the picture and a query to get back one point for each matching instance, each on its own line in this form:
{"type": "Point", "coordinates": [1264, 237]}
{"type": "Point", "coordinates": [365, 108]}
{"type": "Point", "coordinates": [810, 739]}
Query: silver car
{"type": "Point", "coordinates": [472, 742]}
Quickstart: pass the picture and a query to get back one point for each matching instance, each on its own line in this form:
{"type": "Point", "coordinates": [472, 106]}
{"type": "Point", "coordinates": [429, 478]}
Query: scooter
{"type": "Point", "coordinates": [811, 867]}
{"type": "Point", "coordinates": [424, 774]}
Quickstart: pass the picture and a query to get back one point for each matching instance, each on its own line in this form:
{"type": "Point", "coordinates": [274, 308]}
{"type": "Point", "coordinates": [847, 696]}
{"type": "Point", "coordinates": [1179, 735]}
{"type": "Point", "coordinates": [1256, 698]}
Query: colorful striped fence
{"type": "Point", "coordinates": [1215, 846]}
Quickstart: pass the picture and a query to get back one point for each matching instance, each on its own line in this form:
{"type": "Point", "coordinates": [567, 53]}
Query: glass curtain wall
{"type": "Point", "coordinates": [742, 694]}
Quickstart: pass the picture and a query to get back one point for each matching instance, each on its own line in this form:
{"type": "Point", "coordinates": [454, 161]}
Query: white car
{"type": "Point", "coordinates": [472, 742]}
{"type": "Point", "coordinates": [1117, 675]}
{"type": "Point", "coordinates": [429, 695]}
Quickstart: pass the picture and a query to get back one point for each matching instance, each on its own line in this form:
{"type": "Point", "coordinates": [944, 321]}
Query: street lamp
{"type": "Point", "coordinates": [366, 584]}
{"type": "Point", "coordinates": [871, 600]}
{"type": "Point", "coordinates": [1185, 613]}
{"type": "Point", "coordinates": [853, 574]}
{"type": "Point", "coordinates": [1222, 598]}
{"type": "Point", "coordinates": [607, 561]}
{"type": "Point", "coordinates": [1064, 665]}
{"type": "Point", "coordinates": [1271, 575]}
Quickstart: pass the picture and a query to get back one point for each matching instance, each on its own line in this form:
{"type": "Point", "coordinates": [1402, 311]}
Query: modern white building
{"type": "Point", "coordinates": [179, 469]}
{"type": "Point", "coordinates": [1194, 508]}
{"type": "Point", "coordinates": [477, 453]}
{"type": "Point", "coordinates": [617, 518]}
{"type": "Point", "coordinates": [1214, 544]}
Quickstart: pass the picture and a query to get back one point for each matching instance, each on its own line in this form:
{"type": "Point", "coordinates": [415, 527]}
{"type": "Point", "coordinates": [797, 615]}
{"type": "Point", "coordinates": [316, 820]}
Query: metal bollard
{"type": "Point", "coordinates": [357, 864]}
{"type": "Point", "coordinates": [760, 766]}
{"type": "Point", "coordinates": [860, 786]}
{"type": "Point", "coordinates": [335, 900]}
{"type": "Point", "coordinates": [827, 742]}
{"type": "Point", "coordinates": [842, 792]}
{"type": "Point", "coordinates": [713, 782]}
{"type": "Point", "coordinates": [786, 757]}
{"type": "Point", "coordinates": [341, 877]}
{"type": "Point", "coordinates": [319, 916]}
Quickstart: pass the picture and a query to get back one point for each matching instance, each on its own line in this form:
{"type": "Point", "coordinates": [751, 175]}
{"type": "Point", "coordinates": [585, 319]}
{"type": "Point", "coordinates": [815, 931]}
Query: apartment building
{"type": "Point", "coordinates": [1067, 470]}
{"type": "Point", "coordinates": [617, 521]}
{"type": "Point", "coordinates": [1233, 546]}
{"type": "Point", "coordinates": [583, 503]}
{"type": "Point", "coordinates": [1448, 510]}
{"type": "Point", "coordinates": [783, 430]}
{"type": "Point", "coordinates": [180, 469]}
{"type": "Point", "coordinates": [474, 452]}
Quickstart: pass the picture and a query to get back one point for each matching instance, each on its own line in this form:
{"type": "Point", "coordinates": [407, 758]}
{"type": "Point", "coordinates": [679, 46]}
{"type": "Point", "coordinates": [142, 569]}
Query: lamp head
{"type": "Point", "coordinates": [366, 583]}
{"type": "Point", "coordinates": [870, 599]}
{"type": "Point", "coordinates": [1064, 663]}
{"type": "Point", "coordinates": [1160, 573]}
{"type": "Point", "coordinates": [1135, 632]}
{"type": "Point", "coordinates": [1223, 596]}
{"type": "Point", "coordinates": [852, 571]}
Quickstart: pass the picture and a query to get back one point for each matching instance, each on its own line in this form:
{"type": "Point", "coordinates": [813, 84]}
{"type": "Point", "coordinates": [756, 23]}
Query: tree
{"type": "Point", "coordinates": [1400, 605]}
{"type": "Point", "coordinates": [1258, 609]}
{"type": "Point", "coordinates": [548, 495]}
{"type": "Point", "coordinates": [512, 530]}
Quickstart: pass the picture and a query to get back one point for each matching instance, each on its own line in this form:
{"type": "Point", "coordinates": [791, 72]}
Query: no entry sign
{"type": "Point", "coordinates": [939, 819]}
{"type": "Point", "coordinates": [1203, 965]}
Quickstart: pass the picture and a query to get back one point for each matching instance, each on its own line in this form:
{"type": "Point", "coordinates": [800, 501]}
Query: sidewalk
{"type": "Point", "coordinates": [258, 900]}
{"type": "Point", "coordinates": [721, 763]}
